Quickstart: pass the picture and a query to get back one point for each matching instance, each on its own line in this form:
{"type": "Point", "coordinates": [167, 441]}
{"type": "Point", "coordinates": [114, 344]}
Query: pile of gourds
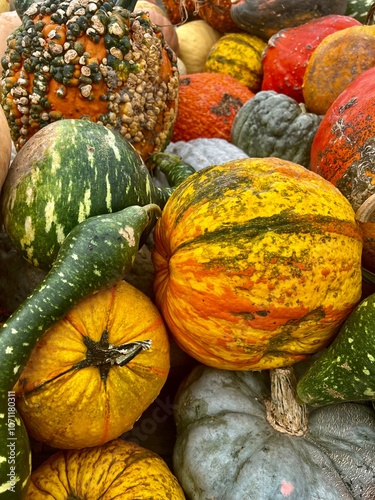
{"type": "Point", "coordinates": [190, 185]}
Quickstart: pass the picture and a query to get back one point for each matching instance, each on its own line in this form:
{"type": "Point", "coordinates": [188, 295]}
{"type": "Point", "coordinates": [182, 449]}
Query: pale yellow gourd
{"type": "Point", "coordinates": [195, 40]}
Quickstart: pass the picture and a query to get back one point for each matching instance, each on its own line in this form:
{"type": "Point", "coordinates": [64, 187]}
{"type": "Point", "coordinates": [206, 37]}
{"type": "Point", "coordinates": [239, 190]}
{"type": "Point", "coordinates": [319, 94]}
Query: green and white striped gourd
{"type": "Point", "coordinates": [68, 171]}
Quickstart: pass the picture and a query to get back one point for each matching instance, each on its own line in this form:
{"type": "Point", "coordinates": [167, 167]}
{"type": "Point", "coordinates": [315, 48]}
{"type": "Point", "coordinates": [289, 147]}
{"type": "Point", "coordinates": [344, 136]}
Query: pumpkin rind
{"type": "Point", "coordinates": [338, 59]}
{"type": "Point", "coordinates": [118, 469]}
{"type": "Point", "coordinates": [225, 447]}
{"type": "Point", "coordinates": [90, 60]}
{"type": "Point", "coordinates": [288, 51]}
{"type": "Point", "coordinates": [238, 55]}
{"type": "Point", "coordinates": [272, 124]}
{"type": "Point", "coordinates": [210, 113]}
{"type": "Point", "coordinates": [257, 263]}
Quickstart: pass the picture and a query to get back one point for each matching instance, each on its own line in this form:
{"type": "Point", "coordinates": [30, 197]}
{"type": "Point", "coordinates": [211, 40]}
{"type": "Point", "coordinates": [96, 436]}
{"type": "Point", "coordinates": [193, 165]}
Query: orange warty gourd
{"type": "Point", "coordinates": [94, 372]}
{"type": "Point", "coordinates": [209, 113]}
{"type": "Point", "coordinates": [118, 469]}
{"type": "Point", "coordinates": [257, 263]}
{"type": "Point", "coordinates": [91, 60]}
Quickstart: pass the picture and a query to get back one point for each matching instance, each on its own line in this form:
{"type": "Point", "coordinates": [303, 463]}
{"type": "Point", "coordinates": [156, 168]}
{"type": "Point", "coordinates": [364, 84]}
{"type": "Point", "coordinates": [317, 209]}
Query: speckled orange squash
{"type": "Point", "coordinates": [210, 112]}
{"type": "Point", "coordinates": [335, 63]}
{"type": "Point", "coordinates": [343, 151]}
{"type": "Point", "coordinates": [257, 263]}
{"type": "Point", "coordinates": [95, 371]}
{"type": "Point", "coordinates": [118, 469]}
{"type": "Point", "coordinates": [95, 61]}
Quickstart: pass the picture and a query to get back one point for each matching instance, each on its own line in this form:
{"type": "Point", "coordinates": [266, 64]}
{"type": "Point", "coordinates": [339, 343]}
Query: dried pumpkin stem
{"type": "Point", "coordinates": [283, 411]}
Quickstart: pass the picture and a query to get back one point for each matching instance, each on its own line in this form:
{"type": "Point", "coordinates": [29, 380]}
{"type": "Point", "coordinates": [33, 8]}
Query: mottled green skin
{"type": "Point", "coordinates": [272, 124]}
{"type": "Point", "coordinates": [358, 9]}
{"type": "Point", "coordinates": [345, 371]}
{"type": "Point", "coordinates": [68, 171]}
{"type": "Point", "coordinates": [97, 253]}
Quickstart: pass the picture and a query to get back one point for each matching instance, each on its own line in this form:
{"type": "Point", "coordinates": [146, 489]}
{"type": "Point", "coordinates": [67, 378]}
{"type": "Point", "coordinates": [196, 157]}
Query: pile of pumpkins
{"type": "Point", "coordinates": [187, 211]}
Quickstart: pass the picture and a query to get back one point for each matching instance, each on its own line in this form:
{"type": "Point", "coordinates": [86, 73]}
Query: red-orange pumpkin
{"type": "Point", "coordinates": [343, 150]}
{"type": "Point", "coordinates": [208, 104]}
{"type": "Point", "coordinates": [288, 51]}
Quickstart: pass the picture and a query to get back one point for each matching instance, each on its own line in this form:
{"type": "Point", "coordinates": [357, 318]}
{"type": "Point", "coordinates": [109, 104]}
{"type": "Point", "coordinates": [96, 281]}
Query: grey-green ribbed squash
{"type": "Point", "coordinates": [273, 124]}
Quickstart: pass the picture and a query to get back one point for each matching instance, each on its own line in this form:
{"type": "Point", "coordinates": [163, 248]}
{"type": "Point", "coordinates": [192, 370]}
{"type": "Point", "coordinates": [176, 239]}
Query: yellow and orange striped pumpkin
{"type": "Point", "coordinates": [257, 262]}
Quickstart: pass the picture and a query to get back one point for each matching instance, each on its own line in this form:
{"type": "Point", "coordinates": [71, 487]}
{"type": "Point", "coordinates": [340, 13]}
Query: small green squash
{"type": "Point", "coordinates": [345, 371]}
{"type": "Point", "coordinates": [70, 170]}
{"type": "Point", "coordinates": [242, 436]}
{"type": "Point", "coordinates": [273, 124]}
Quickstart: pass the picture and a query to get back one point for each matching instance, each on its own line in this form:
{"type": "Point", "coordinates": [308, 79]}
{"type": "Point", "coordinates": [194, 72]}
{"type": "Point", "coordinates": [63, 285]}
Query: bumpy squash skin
{"type": "Point", "coordinates": [335, 63]}
{"type": "Point", "coordinates": [345, 371]}
{"type": "Point", "coordinates": [257, 263]}
{"type": "Point", "coordinates": [265, 18]}
{"type": "Point", "coordinates": [288, 51]}
{"type": "Point", "coordinates": [88, 60]}
{"type": "Point", "coordinates": [210, 113]}
{"type": "Point", "coordinates": [273, 124]}
{"type": "Point", "coordinates": [227, 449]}
{"type": "Point", "coordinates": [118, 469]}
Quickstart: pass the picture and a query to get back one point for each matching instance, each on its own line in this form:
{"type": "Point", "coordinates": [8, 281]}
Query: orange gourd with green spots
{"type": "Point", "coordinates": [258, 262]}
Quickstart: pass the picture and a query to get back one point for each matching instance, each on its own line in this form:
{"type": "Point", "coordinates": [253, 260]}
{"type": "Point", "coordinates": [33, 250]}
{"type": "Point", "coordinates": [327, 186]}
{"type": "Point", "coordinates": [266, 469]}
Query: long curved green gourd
{"type": "Point", "coordinates": [96, 253]}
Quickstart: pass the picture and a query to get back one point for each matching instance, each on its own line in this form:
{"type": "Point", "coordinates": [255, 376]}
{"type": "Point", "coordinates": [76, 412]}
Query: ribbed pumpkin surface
{"type": "Point", "coordinates": [238, 55]}
{"type": "Point", "coordinates": [257, 262]}
{"type": "Point", "coordinates": [73, 392]}
{"type": "Point", "coordinates": [116, 470]}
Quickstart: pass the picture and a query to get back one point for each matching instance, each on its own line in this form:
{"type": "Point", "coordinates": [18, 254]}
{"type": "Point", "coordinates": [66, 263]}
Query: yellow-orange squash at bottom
{"type": "Point", "coordinates": [93, 373]}
{"type": "Point", "coordinates": [118, 469]}
{"type": "Point", "coordinates": [257, 262]}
